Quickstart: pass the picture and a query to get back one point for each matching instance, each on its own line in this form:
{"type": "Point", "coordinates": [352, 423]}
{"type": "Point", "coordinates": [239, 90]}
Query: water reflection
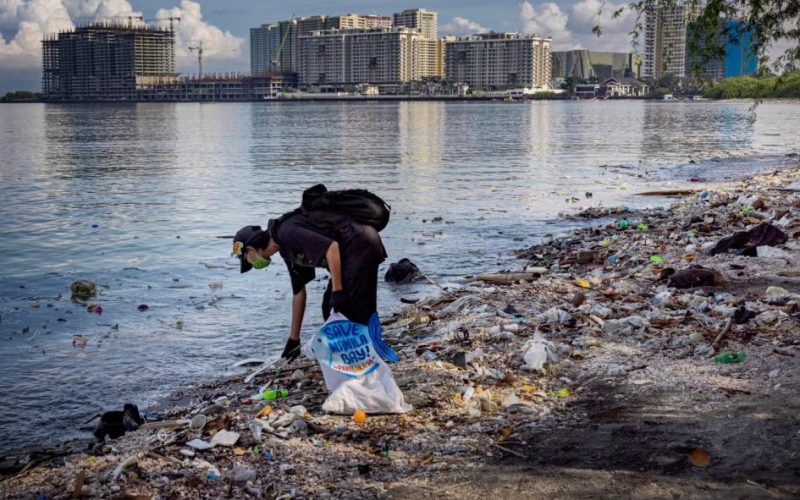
{"type": "Point", "coordinates": [695, 130]}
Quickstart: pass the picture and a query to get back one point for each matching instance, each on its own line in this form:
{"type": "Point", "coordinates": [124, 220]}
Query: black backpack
{"type": "Point", "coordinates": [359, 204]}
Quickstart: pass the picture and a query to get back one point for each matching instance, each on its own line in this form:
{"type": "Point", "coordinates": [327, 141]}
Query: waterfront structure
{"type": "Point", "coordinates": [587, 90]}
{"type": "Point", "coordinates": [739, 57]}
{"type": "Point", "coordinates": [106, 61]}
{"type": "Point", "coordinates": [499, 60]}
{"type": "Point", "coordinates": [665, 45]}
{"type": "Point", "coordinates": [376, 56]}
{"type": "Point", "coordinates": [217, 88]}
{"type": "Point", "coordinates": [420, 19]}
{"type": "Point", "coordinates": [623, 87]}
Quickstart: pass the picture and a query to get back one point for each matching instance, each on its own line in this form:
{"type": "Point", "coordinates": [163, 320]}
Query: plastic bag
{"type": "Point", "coordinates": [536, 353]}
{"type": "Point", "coordinates": [349, 355]}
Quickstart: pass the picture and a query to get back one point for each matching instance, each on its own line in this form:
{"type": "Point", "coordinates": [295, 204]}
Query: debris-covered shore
{"type": "Point", "coordinates": [607, 366]}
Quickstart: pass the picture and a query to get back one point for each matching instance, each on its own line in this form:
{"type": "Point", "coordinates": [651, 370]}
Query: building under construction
{"type": "Point", "coordinates": [106, 61]}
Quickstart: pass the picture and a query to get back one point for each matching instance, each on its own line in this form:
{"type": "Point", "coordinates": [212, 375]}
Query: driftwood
{"type": "Point", "coordinates": [671, 192]}
{"type": "Point", "coordinates": [509, 277]}
{"type": "Point", "coordinates": [722, 333]}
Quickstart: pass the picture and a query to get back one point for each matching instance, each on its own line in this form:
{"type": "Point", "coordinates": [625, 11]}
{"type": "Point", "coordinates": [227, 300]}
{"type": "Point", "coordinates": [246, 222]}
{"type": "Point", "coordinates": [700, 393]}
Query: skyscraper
{"type": "Point", "coordinates": [665, 40]}
{"type": "Point", "coordinates": [275, 46]}
{"type": "Point", "coordinates": [378, 56]}
{"type": "Point", "coordinates": [738, 59]}
{"type": "Point", "coordinates": [499, 60]}
{"type": "Point", "coordinates": [420, 19]}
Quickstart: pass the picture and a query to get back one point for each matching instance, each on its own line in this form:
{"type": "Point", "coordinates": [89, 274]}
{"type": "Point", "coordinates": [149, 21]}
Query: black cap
{"type": "Point", "coordinates": [248, 236]}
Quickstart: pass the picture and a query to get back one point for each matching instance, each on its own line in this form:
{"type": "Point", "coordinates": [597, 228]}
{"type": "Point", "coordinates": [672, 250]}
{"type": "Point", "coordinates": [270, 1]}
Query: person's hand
{"type": "Point", "coordinates": [292, 350]}
{"type": "Point", "coordinates": [338, 300]}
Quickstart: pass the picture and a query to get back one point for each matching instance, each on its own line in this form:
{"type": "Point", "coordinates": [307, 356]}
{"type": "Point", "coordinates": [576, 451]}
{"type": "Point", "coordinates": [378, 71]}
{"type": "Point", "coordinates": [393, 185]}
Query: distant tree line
{"type": "Point", "coordinates": [786, 86]}
{"type": "Point", "coordinates": [21, 95]}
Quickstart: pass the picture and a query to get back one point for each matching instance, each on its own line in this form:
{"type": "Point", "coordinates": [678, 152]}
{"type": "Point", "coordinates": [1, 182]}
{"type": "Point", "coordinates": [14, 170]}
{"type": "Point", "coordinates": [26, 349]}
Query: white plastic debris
{"type": "Point", "coordinates": [536, 353]}
{"type": "Point", "coordinates": [199, 444]}
{"type": "Point", "coordinates": [224, 438]}
{"type": "Point", "coordinates": [772, 253]}
{"type": "Point", "coordinates": [555, 316]}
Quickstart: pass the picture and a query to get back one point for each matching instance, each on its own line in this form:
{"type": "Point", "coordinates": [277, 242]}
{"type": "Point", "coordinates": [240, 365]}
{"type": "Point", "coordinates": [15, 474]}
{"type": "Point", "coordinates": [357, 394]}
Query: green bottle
{"type": "Point", "coordinates": [273, 394]}
{"type": "Point", "coordinates": [623, 224]}
{"type": "Point", "coordinates": [730, 357]}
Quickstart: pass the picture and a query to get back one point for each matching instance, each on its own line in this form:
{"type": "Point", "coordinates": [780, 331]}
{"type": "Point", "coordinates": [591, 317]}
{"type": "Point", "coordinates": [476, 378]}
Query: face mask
{"type": "Point", "coordinates": [261, 263]}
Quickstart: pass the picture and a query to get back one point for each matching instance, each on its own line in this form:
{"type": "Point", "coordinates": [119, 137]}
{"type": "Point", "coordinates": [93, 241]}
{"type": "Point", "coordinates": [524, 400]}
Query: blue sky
{"type": "Point", "coordinates": [223, 26]}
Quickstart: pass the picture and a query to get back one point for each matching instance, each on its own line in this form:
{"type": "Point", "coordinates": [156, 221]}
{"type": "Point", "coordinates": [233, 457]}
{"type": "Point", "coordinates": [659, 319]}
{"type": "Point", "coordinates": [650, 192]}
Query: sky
{"type": "Point", "coordinates": [223, 25]}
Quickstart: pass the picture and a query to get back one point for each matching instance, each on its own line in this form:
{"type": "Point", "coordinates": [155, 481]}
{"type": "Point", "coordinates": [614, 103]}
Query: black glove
{"type": "Point", "coordinates": [338, 300]}
{"type": "Point", "coordinates": [292, 350]}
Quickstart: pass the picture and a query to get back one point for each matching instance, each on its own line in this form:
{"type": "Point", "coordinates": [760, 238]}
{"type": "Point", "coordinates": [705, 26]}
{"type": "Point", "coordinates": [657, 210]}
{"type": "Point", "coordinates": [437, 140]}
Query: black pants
{"type": "Point", "coordinates": [360, 258]}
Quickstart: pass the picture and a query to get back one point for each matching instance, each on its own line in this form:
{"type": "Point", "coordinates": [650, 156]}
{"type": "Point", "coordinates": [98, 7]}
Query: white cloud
{"type": "Point", "coordinates": [28, 21]}
{"type": "Point", "coordinates": [462, 26]}
{"type": "Point", "coordinates": [33, 19]}
{"type": "Point", "coordinates": [548, 21]}
{"type": "Point", "coordinates": [192, 29]}
{"type": "Point", "coordinates": [573, 29]}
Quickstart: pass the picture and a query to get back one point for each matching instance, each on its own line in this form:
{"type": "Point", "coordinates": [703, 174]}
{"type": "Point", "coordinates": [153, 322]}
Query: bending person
{"type": "Point", "coordinates": [351, 252]}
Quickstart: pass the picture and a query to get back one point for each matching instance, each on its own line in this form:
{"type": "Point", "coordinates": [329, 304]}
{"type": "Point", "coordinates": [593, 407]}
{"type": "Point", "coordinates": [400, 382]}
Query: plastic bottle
{"type": "Point", "coordinates": [623, 224]}
{"type": "Point", "coordinates": [273, 394]}
{"type": "Point", "coordinates": [730, 357]}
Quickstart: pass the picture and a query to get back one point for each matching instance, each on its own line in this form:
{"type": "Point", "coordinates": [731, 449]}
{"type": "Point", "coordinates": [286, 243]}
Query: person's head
{"type": "Point", "coordinates": [254, 247]}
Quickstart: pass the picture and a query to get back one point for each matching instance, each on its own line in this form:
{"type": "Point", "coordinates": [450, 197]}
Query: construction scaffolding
{"type": "Point", "coordinates": [106, 61]}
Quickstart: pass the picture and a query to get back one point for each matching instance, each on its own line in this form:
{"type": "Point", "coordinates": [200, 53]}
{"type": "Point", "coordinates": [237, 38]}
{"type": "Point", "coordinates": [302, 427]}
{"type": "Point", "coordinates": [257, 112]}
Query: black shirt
{"type": "Point", "coordinates": [304, 242]}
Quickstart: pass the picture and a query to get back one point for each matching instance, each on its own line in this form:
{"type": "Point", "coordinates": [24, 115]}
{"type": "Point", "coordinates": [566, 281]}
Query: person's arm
{"type": "Point", "coordinates": [298, 310]}
{"type": "Point", "coordinates": [334, 260]}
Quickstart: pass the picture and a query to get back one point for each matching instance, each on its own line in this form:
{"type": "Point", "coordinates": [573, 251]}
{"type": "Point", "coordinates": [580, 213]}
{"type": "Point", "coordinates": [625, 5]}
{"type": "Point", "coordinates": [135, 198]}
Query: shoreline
{"type": "Point", "coordinates": [600, 352]}
{"type": "Point", "coordinates": [397, 98]}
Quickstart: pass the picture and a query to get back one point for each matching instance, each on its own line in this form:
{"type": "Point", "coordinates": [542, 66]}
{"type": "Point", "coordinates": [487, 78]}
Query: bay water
{"type": "Point", "coordinates": [142, 199]}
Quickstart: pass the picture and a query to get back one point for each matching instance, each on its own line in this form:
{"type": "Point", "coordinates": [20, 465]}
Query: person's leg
{"type": "Point", "coordinates": [326, 301]}
{"type": "Point", "coordinates": [360, 261]}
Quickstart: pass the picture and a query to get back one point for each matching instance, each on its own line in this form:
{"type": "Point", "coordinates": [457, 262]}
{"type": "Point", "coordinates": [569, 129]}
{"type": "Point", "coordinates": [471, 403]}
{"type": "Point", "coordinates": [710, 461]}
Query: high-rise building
{"type": "Point", "coordinates": [665, 40]}
{"type": "Point", "coordinates": [264, 44]}
{"type": "Point", "coordinates": [275, 46]}
{"type": "Point", "coordinates": [377, 56]}
{"type": "Point", "coordinates": [499, 60]}
{"type": "Point", "coordinates": [358, 21]}
{"type": "Point", "coordinates": [325, 58]}
{"type": "Point", "coordinates": [739, 56]}
{"type": "Point", "coordinates": [106, 61]}
{"type": "Point", "coordinates": [420, 19]}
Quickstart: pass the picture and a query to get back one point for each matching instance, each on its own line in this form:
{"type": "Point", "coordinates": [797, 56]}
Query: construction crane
{"type": "Point", "coordinates": [199, 49]}
{"type": "Point", "coordinates": [277, 58]}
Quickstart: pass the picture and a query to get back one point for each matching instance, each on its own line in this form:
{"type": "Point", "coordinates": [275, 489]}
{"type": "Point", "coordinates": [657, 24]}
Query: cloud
{"type": "Point", "coordinates": [27, 21]}
{"type": "Point", "coordinates": [573, 29]}
{"type": "Point", "coordinates": [462, 26]}
{"type": "Point", "coordinates": [32, 19]}
{"type": "Point", "coordinates": [548, 21]}
{"type": "Point", "coordinates": [615, 35]}
{"type": "Point", "coordinates": [192, 29]}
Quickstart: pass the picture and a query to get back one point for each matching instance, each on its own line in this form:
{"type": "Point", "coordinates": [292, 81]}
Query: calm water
{"type": "Point", "coordinates": [136, 196]}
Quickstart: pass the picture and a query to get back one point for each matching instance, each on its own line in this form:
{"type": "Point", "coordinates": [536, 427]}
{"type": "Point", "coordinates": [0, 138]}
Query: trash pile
{"type": "Point", "coordinates": [704, 280]}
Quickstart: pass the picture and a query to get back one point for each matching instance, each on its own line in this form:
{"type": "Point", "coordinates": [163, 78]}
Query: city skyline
{"type": "Point", "coordinates": [224, 30]}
